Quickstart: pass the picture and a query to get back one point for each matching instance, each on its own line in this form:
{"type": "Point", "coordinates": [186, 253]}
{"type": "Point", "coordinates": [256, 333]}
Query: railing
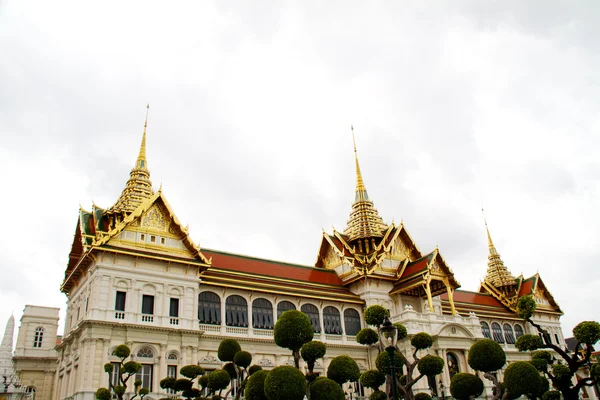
{"type": "Point", "coordinates": [263, 332]}
{"type": "Point", "coordinates": [174, 321]}
{"type": "Point", "coordinates": [333, 337]}
{"type": "Point", "coordinates": [209, 328]}
{"type": "Point", "coordinates": [119, 315]}
{"type": "Point", "coordinates": [235, 330]}
{"type": "Point", "coordinates": [147, 318]}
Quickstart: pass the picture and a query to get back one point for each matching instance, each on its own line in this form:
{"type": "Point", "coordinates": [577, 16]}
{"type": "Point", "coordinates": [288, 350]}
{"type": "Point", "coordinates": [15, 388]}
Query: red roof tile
{"type": "Point", "coordinates": [461, 296]}
{"type": "Point", "coordinates": [526, 287]}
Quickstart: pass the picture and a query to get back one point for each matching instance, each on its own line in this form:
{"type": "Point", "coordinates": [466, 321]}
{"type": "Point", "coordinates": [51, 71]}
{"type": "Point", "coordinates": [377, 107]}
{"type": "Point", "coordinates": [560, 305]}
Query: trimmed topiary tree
{"type": "Point", "coordinates": [343, 369]}
{"type": "Point", "coordinates": [521, 378]}
{"type": "Point", "coordinates": [292, 330]}
{"type": "Point", "coordinates": [367, 337]}
{"type": "Point", "coordinates": [126, 371]}
{"type": "Point", "coordinates": [254, 368]}
{"type": "Point", "coordinates": [311, 352]}
{"type": "Point", "coordinates": [375, 315]}
{"type": "Point", "coordinates": [487, 356]}
{"type": "Point", "coordinates": [227, 349]}
{"type": "Point", "coordinates": [326, 389]}
{"type": "Point", "coordinates": [285, 383]}
{"type": "Point", "coordinates": [218, 380]}
{"type": "Point", "coordinates": [372, 379]}
{"type": "Point", "coordinates": [378, 395]}
{"type": "Point", "coordinates": [422, 396]}
{"type": "Point", "coordinates": [465, 386]}
{"type": "Point", "coordinates": [255, 388]}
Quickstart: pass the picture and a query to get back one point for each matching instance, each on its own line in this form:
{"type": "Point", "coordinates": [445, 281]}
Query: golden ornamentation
{"type": "Point", "coordinates": [497, 274]}
{"type": "Point", "coordinates": [155, 219]}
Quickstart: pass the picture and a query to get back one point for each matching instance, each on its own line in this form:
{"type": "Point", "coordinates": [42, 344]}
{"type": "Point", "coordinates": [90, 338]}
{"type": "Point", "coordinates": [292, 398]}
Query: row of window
{"type": "Point", "coordinates": [236, 312]}
{"type": "Point", "coordinates": [501, 334]}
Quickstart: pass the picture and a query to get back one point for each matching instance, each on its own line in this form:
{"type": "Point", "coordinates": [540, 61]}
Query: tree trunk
{"type": "Point", "coordinates": [296, 354]}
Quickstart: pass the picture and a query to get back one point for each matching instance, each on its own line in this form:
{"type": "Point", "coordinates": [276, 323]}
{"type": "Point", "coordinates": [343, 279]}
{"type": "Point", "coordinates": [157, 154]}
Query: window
{"type": "Point", "coordinates": [485, 329]}
{"type": "Point", "coordinates": [39, 336]}
{"type": "Point", "coordinates": [120, 301]}
{"type": "Point", "coordinates": [283, 307]}
{"type": "Point", "coordinates": [452, 362]}
{"type": "Point", "coordinates": [262, 314]}
{"type": "Point", "coordinates": [143, 237]}
{"type": "Point", "coordinates": [236, 311]}
{"type": "Point", "coordinates": [209, 308]}
{"type": "Point", "coordinates": [331, 321]}
{"type": "Point", "coordinates": [312, 313]}
{"type": "Point", "coordinates": [174, 308]}
{"type": "Point", "coordinates": [163, 240]}
{"type": "Point", "coordinates": [172, 357]}
{"type": "Point", "coordinates": [145, 352]}
{"type": "Point", "coordinates": [557, 339]}
{"type": "Point", "coordinates": [508, 334]}
{"type": "Point", "coordinates": [518, 331]}
{"type": "Point", "coordinates": [114, 375]}
{"type": "Point", "coordinates": [497, 332]}
{"type": "Point", "coordinates": [351, 321]}
{"type": "Point", "coordinates": [147, 304]}
{"type": "Point", "coordinates": [152, 238]}
{"type": "Point", "coordinates": [145, 375]}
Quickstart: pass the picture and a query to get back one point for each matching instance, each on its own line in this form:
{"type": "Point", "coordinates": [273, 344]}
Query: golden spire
{"type": "Point", "coordinates": [364, 221]}
{"type": "Point", "coordinates": [139, 186]}
{"type": "Point", "coordinates": [497, 273]}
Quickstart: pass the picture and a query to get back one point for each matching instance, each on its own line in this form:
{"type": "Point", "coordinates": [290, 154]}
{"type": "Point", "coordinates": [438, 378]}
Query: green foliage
{"type": "Point", "coordinates": [253, 369]}
{"type": "Point", "coordinates": [372, 379]}
{"type": "Point", "coordinates": [191, 393]}
{"type": "Point", "coordinates": [343, 369]}
{"type": "Point", "coordinates": [144, 391]}
{"type": "Point", "coordinates": [562, 373]}
{"type": "Point", "coordinates": [326, 389]}
{"type": "Point", "coordinates": [587, 332]}
{"type": "Point", "coordinates": [231, 370]}
{"type": "Point", "coordinates": [119, 390]}
{"type": "Point", "coordinates": [551, 395]}
{"type": "Point", "coordinates": [402, 380]}
{"type": "Point", "coordinates": [526, 306]}
{"type": "Point", "coordinates": [422, 396]}
{"type": "Point", "coordinates": [203, 381]}
{"type": "Point", "coordinates": [131, 367]}
{"type": "Point", "coordinates": [191, 371]}
{"type": "Point", "coordinates": [595, 371]}
{"type": "Point", "coordinates": [227, 349]}
{"type": "Point", "coordinates": [421, 341]}
{"type": "Point", "coordinates": [312, 351]}
{"type": "Point", "coordinates": [529, 342]}
{"type": "Point", "coordinates": [103, 394]}
{"type": "Point", "coordinates": [108, 368]}
{"type": "Point", "coordinates": [486, 355]}
{"type": "Point", "coordinates": [378, 395]}
{"type": "Point", "coordinates": [242, 359]}
{"type": "Point", "coordinates": [430, 365]}
{"type": "Point", "coordinates": [542, 355]}
{"type": "Point", "coordinates": [463, 386]}
{"type": "Point", "coordinates": [375, 315]}
{"type": "Point", "coordinates": [218, 380]}
{"type": "Point", "coordinates": [122, 351]}
{"type": "Point", "coordinates": [402, 332]}
{"type": "Point", "coordinates": [285, 383]}
{"type": "Point", "coordinates": [182, 384]}
{"type": "Point", "coordinates": [167, 383]}
{"type": "Point", "coordinates": [521, 378]}
{"type": "Point", "coordinates": [383, 361]}
{"type": "Point", "coordinates": [367, 337]}
{"type": "Point", "coordinates": [292, 330]}
{"type": "Point", "coordinates": [255, 388]}
{"type": "Point", "coordinates": [137, 383]}
{"type": "Point", "coordinates": [540, 364]}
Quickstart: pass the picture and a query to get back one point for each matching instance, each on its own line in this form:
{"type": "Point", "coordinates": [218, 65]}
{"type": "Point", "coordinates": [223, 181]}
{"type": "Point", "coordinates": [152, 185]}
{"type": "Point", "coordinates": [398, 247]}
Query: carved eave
{"type": "Point", "coordinates": [541, 294]}
{"type": "Point", "coordinates": [489, 288]}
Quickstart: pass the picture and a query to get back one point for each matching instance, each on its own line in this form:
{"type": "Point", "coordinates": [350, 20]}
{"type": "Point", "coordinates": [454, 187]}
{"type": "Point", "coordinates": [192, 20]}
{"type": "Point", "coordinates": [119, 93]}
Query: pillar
{"type": "Point", "coordinates": [451, 299]}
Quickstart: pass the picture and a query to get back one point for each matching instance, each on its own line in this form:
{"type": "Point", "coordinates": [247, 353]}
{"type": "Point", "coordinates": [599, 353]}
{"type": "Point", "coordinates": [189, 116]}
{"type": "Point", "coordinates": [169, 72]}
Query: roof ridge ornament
{"type": "Point", "coordinates": [497, 273]}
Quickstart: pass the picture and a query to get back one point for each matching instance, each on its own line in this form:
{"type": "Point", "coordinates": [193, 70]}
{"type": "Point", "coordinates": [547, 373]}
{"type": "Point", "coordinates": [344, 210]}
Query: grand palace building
{"type": "Point", "coordinates": [135, 276]}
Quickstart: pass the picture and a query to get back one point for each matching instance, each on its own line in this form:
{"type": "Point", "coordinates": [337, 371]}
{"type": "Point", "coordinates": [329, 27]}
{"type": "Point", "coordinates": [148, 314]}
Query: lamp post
{"type": "Point", "coordinates": [388, 334]}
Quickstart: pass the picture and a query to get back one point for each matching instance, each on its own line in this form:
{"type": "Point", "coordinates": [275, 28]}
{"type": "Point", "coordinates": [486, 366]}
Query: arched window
{"type": "Point", "coordinates": [508, 334]}
{"type": "Point", "coordinates": [497, 332]}
{"type": "Point", "coordinates": [485, 329]}
{"type": "Point", "coordinates": [331, 321]}
{"type": "Point", "coordinates": [452, 362]}
{"type": "Point", "coordinates": [518, 331]}
{"type": "Point", "coordinates": [172, 357]}
{"type": "Point", "coordinates": [145, 352]}
{"type": "Point", "coordinates": [351, 321]}
{"type": "Point", "coordinates": [262, 314]}
{"type": "Point", "coordinates": [39, 336]}
{"type": "Point", "coordinates": [236, 311]}
{"type": "Point", "coordinates": [312, 313]}
{"type": "Point", "coordinates": [145, 356]}
{"type": "Point", "coordinates": [283, 307]}
{"type": "Point", "coordinates": [209, 308]}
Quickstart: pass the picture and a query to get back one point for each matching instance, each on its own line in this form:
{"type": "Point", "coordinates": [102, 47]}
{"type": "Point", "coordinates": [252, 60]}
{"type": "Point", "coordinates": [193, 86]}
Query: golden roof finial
{"type": "Point", "coordinates": [361, 191]}
{"type": "Point", "coordinates": [141, 160]}
{"type": "Point", "coordinates": [497, 273]}
{"type": "Point", "coordinates": [490, 243]}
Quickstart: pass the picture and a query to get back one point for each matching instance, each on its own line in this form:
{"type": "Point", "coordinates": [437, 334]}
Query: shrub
{"type": "Point", "coordinates": [203, 381]}
{"type": "Point", "coordinates": [167, 383]}
{"type": "Point", "coordinates": [131, 367]}
{"type": "Point", "coordinates": [227, 349]}
{"type": "Point", "coordinates": [383, 361]}
{"type": "Point", "coordinates": [562, 373]}
{"type": "Point", "coordinates": [372, 379]}
{"type": "Point", "coordinates": [595, 371]}
{"type": "Point", "coordinates": [539, 364]}
{"type": "Point", "coordinates": [312, 351]}
{"type": "Point", "coordinates": [551, 395]}
{"type": "Point", "coordinates": [144, 391]}
{"type": "Point", "coordinates": [587, 332]}
{"type": "Point", "coordinates": [402, 332]}
{"type": "Point", "coordinates": [529, 343]}
{"type": "Point", "coordinates": [242, 359]}
{"type": "Point", "coordinates": [486, 355]}
{"type": "Point", "coordinates": [231, 370]}
{"type": "Point", "coordinates": [326, 389]}
{"type": "Point", "coordinates": [378, 395]}
{"type": "Point", "coordinates": [367, 337]}
{"type": "Point", "coordinates": [421, 341]}
{"type": "Point", "coordinates": [521, 378]}
{"type": "Point", "coordinates": [430, 365]}
{"type": "Point", "coordinates": [542, 355]}
{"type": "Point", "coordinates": [254, 368]}
{"type": "Point", "coordinates": [375, 315]}
{"type": "Point", "coordinates": [108, 368]}
{"type": "Point", "coordinates": [422, 396]}
{"type": "Point", "coordinates": [119, 390]}
{"type": "Point", "coordinates": [103, 394]}
{"type": "Point", "coordinates": [343, 369]}
{"type": "Point", "coordinates": [122, 351]}
{"type": "Point", "coordinates": [292, 330]}
{"type": "Point", "coordinates": [191, 371]}
{"type": "Point", "coordinates": [285, 383]}
{"type": "Point", "coordinates": [255, 388]}
{"type": "Point", "coordinates": [526, 307]}
{"type": "Point", "coordinates": [182, 384]}
{"type": "Point", "coordinates": [218, 380]}
{"type": "Point", "coordinates": [463, 386]}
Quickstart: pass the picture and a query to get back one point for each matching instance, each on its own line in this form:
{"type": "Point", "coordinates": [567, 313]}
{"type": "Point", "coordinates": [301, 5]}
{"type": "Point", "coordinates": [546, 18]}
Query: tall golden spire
{"type": "Point", "coordinates": [365, 221]}
{"type": "Point", "coordinates": [139, 186]}
{"type": "Point", "coordinates": [497, 273]}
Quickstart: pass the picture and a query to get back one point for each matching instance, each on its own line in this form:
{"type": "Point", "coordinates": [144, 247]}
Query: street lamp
{"type": "Point", "coordinates": [388, 334]}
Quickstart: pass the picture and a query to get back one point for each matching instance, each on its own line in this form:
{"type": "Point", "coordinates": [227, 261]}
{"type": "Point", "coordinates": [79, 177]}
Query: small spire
{"type": "Point", "coordinates": [361, 191]}
{"type": "Point", "coordinates": [141, 160]}
{"type": "Point", "coordinates": [490, 243]}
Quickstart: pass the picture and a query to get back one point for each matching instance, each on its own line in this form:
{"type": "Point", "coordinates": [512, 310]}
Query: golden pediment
{"type": "Point", "coordinates": [155, 219]}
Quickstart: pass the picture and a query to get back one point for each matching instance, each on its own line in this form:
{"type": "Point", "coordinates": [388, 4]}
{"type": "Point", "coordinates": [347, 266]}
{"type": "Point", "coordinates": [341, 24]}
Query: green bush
{"type": "Point", "coordinates": [343, 369]}
{"type": "Point", "coordinates": [167, 383]}
{"type": "Point", "coordinates": [255, 388]}
{"type": "Point", "coordinates": [529, 343]}
{"type": "Point", "coordinates": [326, 389]}
{"type": "Point", "coordinates": [312, 351]}
{"type": "Point", "coordinates": [285, 383]}
{"type": "Point", "coordinates": [103, 394]}
{"type": "Point", "coordinates": [367, 337]}
{"type": "Point", "coordinates": [231, 370]}
{"type": "Point", "coordinates": [227, 349]}
{"type": "Point", "coordinates": [218, 380]}
{"type": "Point", "coordinates": [463, 386]}
{"type": "Point", "coordinates": [521, 378]}
{"type": "Point", "coordinates": [421, 341]}
{"type": "Point", "coordinates": [375, 315]}
{"type": "Point", "coordinates": [526, 307]}
{"type": "Point", "coordinates": [562, 373]}
{"type": "Point", "coordinates": [595, 371]}
{"type": "Point", "coordinates": [422, 396]}
{"type": "Point", "coordinates": [144, 391]}
{"type": "Point", "coordinates": [191, 371]}
{"type": "Point", "coordinates": [542, 355]}
{"type": "Point", "coordinates": [203, 381]}
{"type": "Point", "coordinates": [402, 332]}
{"type": "Point", "coordinates": [587, 332]}
{"type": "Point", "coordinates": [119, 390]}
{"type": "Point", "coordinates": [108, 368]}
{"type": "Point", "coordinates": [430, 365]}
{"type": "Point", "coordinates": [378, 395]}
{"type": "Point", "coordinates": [551, 395]}
{"type": "Point", "coordinates": [253, 369]}
{"type": "Point", "coordinates": [182, 384]}
{"type": "Point", "coordinates": [121, 351]}
{"type": "Point", "coordinates": [292, 330]}
{"type": "Point", "coordinates": [242, 359]}
{"type": "Point", "coordinates": [486, 355]}
{"type": "Point", "coordinates": [383, 361]}
{"type": "Point", "coordinates": [372, 379]}
{"type": "Point", "coordinates": [539, 364]}
{"type": "Point", "coordinates": [131, 367]}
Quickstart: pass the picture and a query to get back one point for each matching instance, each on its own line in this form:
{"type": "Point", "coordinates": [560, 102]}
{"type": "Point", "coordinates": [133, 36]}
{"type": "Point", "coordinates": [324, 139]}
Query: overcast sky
{"type": "Point", "coordinates": [456, 106]}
